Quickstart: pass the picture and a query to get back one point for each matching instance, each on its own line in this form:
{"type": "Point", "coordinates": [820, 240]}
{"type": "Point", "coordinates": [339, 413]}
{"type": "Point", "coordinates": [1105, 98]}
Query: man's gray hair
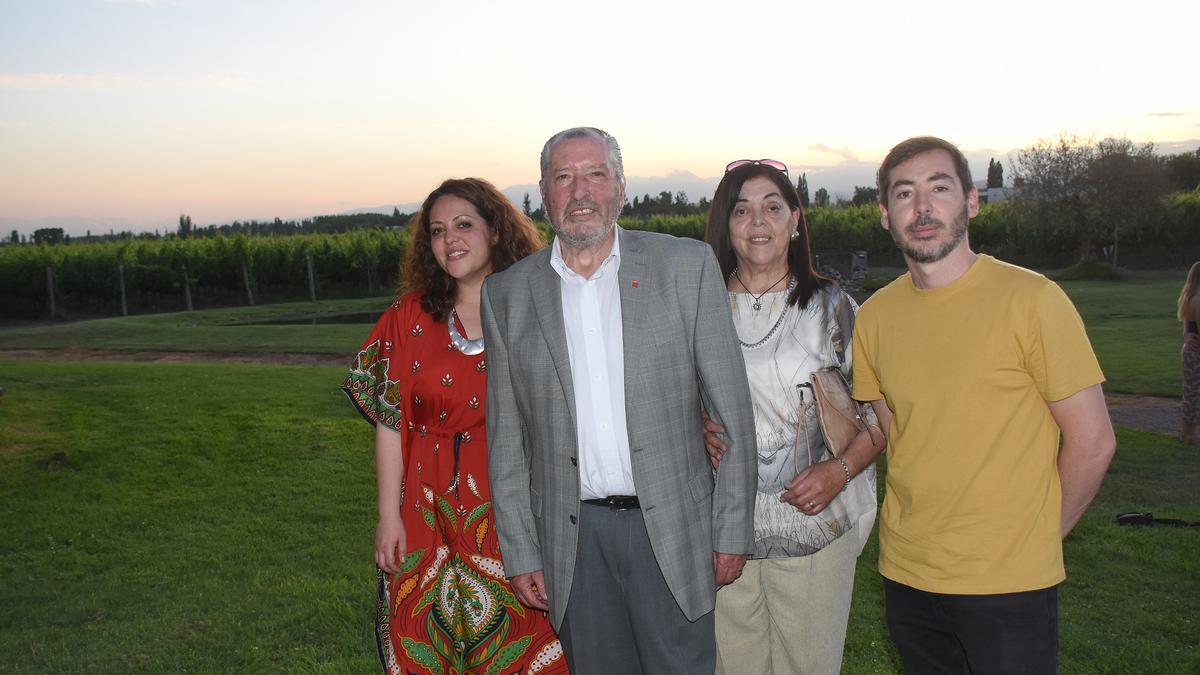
{"type": "Point", "coordinates": [614, 150]}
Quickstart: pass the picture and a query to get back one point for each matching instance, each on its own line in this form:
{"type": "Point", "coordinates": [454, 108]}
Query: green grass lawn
{"type": "Point", "coordinates": [220, 518]}
{"type": "Point", "coordinates": [211, 330]}
{"type": "Point", "coordinates": [207, 518]}
{"type": "Point", "coordinates": [216, 517]}
{"type": "Point", "coordinates": [1133, 328]}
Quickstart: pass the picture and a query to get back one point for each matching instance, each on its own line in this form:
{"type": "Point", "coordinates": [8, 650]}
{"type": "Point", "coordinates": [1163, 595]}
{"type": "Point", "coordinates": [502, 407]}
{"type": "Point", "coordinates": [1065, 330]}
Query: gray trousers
{"type": "Point", "coordinates": [621, 616]}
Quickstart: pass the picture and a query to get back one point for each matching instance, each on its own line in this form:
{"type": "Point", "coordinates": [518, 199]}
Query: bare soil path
{"type": "Point", "coordinates": [292, 359]}
{"type": "Point", "coordinates": [1148, 413]}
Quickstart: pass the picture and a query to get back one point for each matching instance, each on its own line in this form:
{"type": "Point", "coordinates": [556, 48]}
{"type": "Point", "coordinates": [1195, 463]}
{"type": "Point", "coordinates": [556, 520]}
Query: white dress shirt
{"type": "Point", "coordinates": [592, 317]}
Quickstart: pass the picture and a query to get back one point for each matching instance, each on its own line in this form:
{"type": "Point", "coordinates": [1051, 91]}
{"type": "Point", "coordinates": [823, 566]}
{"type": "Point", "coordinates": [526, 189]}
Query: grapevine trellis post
{"type": "Point", "coordinates": [246, 280]}
{"type": "Point", "coordinates": [121, 284]}
{"type": "Point", "coordinates": [50, 288]}
{"type": "Point", "coordinates": [187, 287]}
{"type": "Point", "coordinates": [312, 284]}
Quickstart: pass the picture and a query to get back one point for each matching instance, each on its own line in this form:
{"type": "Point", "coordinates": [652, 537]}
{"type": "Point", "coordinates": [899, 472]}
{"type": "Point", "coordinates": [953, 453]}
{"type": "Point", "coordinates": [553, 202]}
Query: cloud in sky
{"type": "Point", "coordinates": [68, 81]}
{"type": "Point", "coordinates": [844, 153]}
{"type": "Point", "coordinates": [1168, 114]}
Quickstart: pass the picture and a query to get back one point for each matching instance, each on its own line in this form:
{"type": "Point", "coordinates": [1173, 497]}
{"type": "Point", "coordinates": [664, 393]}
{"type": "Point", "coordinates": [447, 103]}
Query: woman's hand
{"type": "Point", "coordinates": [712, 441]}
{"type": "Point", "coordinates": [815, 487]}
{"type": "Point", "coordinates": [390, 544]}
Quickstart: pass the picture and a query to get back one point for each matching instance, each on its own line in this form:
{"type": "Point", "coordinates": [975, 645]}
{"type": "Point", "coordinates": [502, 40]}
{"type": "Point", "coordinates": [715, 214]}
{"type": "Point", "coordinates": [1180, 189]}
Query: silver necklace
{"type": "Point", "coordinates": [778, 322]}
{"type": "Point", "coordinates": [758, 298]}
{"type": "Point", "coordinates": [461, 343]}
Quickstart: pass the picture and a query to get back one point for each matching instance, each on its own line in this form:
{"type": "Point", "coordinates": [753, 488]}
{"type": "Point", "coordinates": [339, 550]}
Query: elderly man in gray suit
{"type": "Point", "coordinates": [603, 349]}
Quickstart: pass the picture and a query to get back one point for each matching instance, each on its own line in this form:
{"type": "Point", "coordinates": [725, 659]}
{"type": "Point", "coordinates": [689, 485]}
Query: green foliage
{"type": "Point", "coordinates": [364, 260]}
{"type": "Point", "coordinates": [864, 194]}
{"type": "Point", "coordinates": [995, 174]}
{"type": "Point", "coordinates": [1182, 222]}
{"type": "Point", "coordinates": [48, 235]}
{"type": "Point", "coordinates": [1184, 170]}
{"type": "Point", "coordinates": [357, 262]}
{"type": "Point", "coordinates": [1090, 271]}
{"type": "Point", "coordinates": [853, 228]}
{"type": "Point", "coordinates": [821, 198]}
{"type": "Point", "coordinates": [691, 226]}
{"type": "Point", "coordinates": [1098, 195]}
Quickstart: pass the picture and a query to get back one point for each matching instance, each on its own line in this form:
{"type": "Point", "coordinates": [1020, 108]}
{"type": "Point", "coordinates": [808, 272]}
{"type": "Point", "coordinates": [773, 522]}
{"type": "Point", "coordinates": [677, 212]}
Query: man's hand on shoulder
{"type": "Point", "coordinates": [530, 589]}
{"type": "Point", "coordinates": [727, 567]}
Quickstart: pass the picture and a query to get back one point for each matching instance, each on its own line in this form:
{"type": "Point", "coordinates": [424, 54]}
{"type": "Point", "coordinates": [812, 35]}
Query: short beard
{"type": "Point", "coordinates": [958, 232]}
{"type": "Point", "coordinates": [585, 241]}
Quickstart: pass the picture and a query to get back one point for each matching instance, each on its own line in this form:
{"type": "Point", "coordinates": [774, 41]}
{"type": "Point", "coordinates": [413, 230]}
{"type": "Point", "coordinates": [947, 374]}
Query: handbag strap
{"type": "Point", "coordinates": [802, 430]}
{"type": "Point", "coordinates": [837, 310]}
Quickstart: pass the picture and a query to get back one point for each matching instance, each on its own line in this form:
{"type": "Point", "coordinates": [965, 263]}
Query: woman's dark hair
{"type": "Point", "coordinates": [799, 256]}
{"type": "Point", "coordinates": [516, 238]}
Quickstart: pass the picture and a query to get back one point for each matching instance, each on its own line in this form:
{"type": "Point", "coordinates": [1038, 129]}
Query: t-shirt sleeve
{"type": "Point", "coordinates": [373, 385]}
{"type": "Point", "coordinates": [865, 376]}
{"type": "Point", "coordinates": [1060, 357]}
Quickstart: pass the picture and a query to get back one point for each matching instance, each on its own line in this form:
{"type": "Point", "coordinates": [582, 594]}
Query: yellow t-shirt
{"type": "Point", "coordinates": [973, 502]}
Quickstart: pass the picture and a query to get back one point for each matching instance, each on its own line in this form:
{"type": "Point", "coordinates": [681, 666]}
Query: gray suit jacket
{"type": "Point", "coordinates": [681, 356]}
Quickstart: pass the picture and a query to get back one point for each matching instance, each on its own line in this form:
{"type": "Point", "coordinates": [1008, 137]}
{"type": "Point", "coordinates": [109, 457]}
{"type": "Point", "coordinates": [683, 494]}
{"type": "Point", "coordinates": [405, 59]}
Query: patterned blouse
{"type": "Point", "coordinates": [802, 343]}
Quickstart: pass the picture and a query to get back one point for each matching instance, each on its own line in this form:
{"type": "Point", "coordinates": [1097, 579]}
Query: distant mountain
{"type": "Point", "coordinates": [386, 209]}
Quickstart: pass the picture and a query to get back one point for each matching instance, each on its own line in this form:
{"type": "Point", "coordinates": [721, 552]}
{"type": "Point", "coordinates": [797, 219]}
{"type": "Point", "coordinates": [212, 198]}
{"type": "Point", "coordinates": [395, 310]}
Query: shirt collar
{"type": "Point", "coordinates": [567, 274]}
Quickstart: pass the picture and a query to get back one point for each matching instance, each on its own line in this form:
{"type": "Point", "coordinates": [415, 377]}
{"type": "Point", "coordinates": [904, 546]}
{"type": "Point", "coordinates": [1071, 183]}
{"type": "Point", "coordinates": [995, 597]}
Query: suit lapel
{"type": "Point", "coordinates": [547, 300]}
{"type": "Point", "coordinates": [632, 280]}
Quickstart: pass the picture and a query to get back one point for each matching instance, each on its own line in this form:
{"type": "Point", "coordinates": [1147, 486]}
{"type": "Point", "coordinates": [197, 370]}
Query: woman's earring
{"type": "Point", "coordinates": [795, 234]}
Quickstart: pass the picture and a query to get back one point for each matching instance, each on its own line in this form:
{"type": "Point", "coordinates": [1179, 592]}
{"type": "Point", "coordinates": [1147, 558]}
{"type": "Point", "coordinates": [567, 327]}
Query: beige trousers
{"type": "Point", "coordinates": [788, 615]}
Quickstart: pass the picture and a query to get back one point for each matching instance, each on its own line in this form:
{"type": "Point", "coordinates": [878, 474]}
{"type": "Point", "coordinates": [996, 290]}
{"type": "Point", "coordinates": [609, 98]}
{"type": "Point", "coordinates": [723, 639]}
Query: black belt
{"type": "Point", "coordinates": [616, 502]}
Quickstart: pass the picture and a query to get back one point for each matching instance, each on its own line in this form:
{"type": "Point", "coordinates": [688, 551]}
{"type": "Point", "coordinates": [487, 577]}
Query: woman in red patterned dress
{"type": "Point", "coordinates": [444, 604]}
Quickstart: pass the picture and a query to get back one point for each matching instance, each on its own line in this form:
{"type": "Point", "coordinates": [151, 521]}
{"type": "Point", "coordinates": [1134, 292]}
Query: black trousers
{"type": "Point", "coordinates": [1004, 633]}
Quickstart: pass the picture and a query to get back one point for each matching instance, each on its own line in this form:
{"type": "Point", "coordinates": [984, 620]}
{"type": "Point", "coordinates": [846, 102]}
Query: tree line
{"type": "Point", "coordinates": [1070, 200]}
{"type": "Point", "coordinates": [278, 227]}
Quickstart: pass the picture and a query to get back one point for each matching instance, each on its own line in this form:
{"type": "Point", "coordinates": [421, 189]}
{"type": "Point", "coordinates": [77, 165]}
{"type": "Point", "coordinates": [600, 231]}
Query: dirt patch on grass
{"type": "Point", "coordinates": [294, 359]}
{"type": "Point", "coordinates": [1148, 413]}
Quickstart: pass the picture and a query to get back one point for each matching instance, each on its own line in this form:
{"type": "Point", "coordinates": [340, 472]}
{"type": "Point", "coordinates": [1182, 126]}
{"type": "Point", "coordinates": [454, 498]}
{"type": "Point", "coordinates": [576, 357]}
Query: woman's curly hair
{"type": "Point", "coordinates": [516, 238]}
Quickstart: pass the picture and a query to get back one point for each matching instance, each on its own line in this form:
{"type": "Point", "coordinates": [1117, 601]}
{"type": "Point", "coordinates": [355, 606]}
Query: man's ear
{"type": "Point", "coordinates": [972, 203]}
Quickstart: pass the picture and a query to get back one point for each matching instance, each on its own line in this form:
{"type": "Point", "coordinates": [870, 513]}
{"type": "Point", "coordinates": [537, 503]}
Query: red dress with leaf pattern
{"type": "Point", "coordinates": [449, 609]}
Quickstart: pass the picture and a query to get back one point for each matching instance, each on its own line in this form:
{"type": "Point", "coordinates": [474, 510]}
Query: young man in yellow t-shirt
{"type": "Point", "coordinates": [975, 367]}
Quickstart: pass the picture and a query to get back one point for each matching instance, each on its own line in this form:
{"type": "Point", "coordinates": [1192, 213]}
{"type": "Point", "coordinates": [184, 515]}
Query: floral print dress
{"type": "Point", "coordinates": [449, 609]}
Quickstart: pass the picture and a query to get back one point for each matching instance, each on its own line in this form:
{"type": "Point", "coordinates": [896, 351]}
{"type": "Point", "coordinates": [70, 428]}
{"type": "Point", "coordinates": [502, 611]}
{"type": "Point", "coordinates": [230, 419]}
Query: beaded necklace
{"type": "Point", "coordinates": [778, 322]}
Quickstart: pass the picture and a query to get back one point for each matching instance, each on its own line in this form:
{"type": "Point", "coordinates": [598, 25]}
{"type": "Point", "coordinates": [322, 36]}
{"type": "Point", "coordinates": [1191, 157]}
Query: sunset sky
{"type": "Point", "coordinates": [126, 114]}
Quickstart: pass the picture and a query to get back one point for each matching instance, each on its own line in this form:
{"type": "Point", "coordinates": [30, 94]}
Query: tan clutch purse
{"type": "Point", "coordinates": [841, 417]}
